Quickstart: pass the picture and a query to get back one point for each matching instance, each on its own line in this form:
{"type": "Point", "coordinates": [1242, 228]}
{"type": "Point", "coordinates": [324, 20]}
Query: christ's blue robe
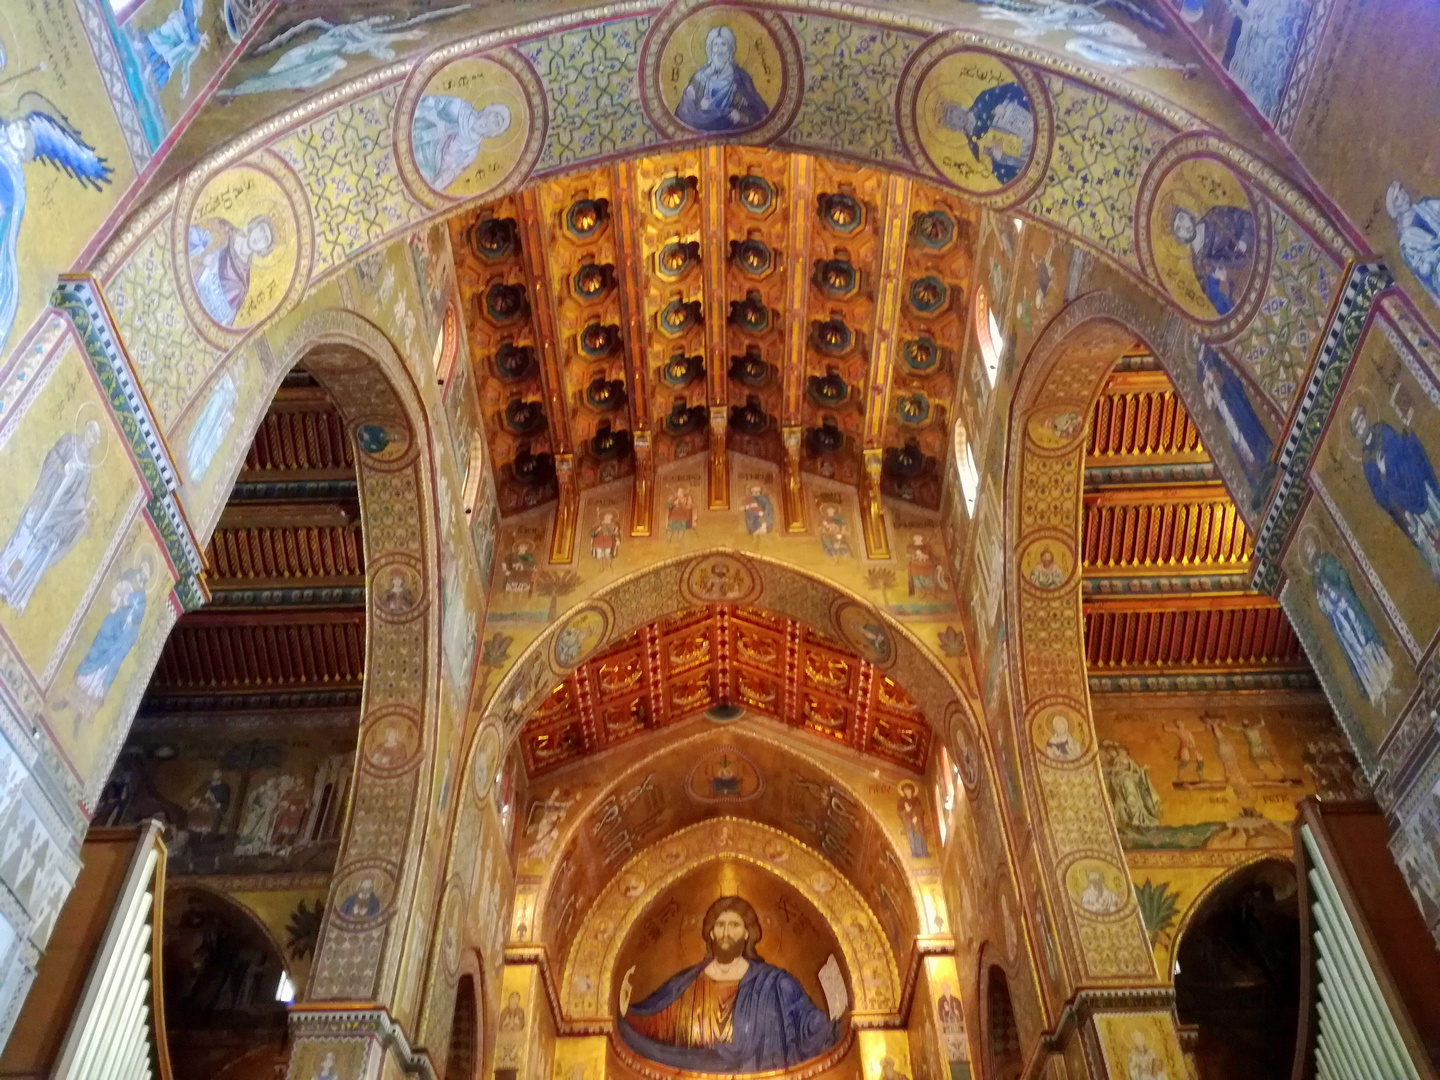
{"type": "Point", "coordinates": [1407, 483]}
{"type": "Point", "coordinates": [775, 1025]}
{"type": "Point", "coordinates": [713, 102]}
{"type": "Point", "coordinates": [983, 108]}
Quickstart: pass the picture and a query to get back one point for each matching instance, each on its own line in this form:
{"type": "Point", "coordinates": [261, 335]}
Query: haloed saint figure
{"type": "Point", "coordinates": [732, 1012]}
{"type": "Point", "coordinates": [721, 96]}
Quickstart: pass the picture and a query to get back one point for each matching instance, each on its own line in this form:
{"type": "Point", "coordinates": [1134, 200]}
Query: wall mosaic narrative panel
{"type": "Point", "coordinates": [239, 796]}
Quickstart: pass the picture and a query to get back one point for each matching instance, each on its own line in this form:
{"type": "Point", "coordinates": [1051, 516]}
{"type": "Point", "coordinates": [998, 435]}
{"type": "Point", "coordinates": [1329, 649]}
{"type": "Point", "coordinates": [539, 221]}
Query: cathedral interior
{"type": "Point", "coordinates": [556, 540]}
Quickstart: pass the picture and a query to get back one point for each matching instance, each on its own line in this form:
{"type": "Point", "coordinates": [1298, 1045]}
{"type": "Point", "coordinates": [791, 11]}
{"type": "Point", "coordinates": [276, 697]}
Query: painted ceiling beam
{"type": "Point", "coordinates": [534, 244]}
{"type": "Point", "coordinates": [713, 252]}
{"type": "Point", "coordinates": [287, 514]}
{"type": "Point", "coordinates": [797, 326]}
{"type": "Point", "coordinates": [895, 218]}
{"type": "Point", "coordinates": [634, 334]}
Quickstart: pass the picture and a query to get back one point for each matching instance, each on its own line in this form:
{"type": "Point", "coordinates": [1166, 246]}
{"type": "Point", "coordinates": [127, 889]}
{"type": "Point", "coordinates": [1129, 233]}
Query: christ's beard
{"type": "Point", "coordinates": [726, 951]}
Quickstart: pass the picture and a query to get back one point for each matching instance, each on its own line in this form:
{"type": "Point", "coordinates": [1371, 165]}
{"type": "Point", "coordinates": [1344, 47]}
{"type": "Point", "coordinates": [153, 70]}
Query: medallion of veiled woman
{"type": "Point", "coordinates": [721, 96]}
{"type": "Point", "coordinates": [448, 132]}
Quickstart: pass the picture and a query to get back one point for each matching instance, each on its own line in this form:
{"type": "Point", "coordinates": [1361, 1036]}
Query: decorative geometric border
{"type": "Point", "coordinates": [792, 76]}
{"type": "Point", "coordinates": [1301, 67]}
{"type": "Point", "coordinates": [1217, 682]}
{"type": "Point", "coordinates": [1180, 150]}
{"type": "Point", "coordinates": [907, 101]}
{"type": "Point", "coordinates": [170, 525]}
{"type": "Point", "coordinates": [78, 296]}
{"type": "Point", "coordinates": [1363, 285]}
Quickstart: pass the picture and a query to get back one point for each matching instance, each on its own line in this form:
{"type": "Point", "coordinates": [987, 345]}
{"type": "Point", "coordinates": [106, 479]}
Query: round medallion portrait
{"type": "Point", "coordinates": [1206, 239]}
{"type": "Point", "coordinates": [579, 637]}
{"type": "Point", "coordinates": [1098, 888]}
{"type": "Point", "coordinates": [383, 440]}
{"type": "Point", "coordinates": [862, 629]}
{"type": "Point", "coordinates": [486, 763]}
{"type": "Point", "coordinates": [1046, 563]}
{"type": "Point", "coordinates": [719, 577]}
{"type": "Point", "coordinates": [242, 247]}
{"type": "Point", "coordinates": [390, 744]}
{"type": "Point", "coordinates": [1060, 734]}
{"type": "Point", "coordinates": [469, 129]}
{"type": "Point", "coordinates": [397, 590]}
{"type": "Point", "coordinates": [720, 71]}
{"type": "Point", "coordinates": [364, 892]}
{"type": "Point", "coordinates": [976, 121]}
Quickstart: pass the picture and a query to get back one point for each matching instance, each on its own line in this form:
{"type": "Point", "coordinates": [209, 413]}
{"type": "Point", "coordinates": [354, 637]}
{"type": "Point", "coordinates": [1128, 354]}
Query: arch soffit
{"type": "Point", "coordinates": [1055, 391]}
{"type": "Point", "coordinates": [1185, 136]}
{"type": "Point", "coordinates": [590, 969]}
{"type": "Point", "coordinates": [657, 591]}
{"type": "Point", "coordinates": [574, 821]}
{"type": "Point", "coordinates": [176, 888]}
{"type": "Point", "coordinates": [1207, 891]}
{"type": "Point", "coordinates": [368, 380]}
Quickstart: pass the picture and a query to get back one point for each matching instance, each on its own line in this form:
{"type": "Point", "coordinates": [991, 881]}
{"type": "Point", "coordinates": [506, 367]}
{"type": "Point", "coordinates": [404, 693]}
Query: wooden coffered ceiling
{"type": "Point", "coordinates": [1166, 555]}
{"type": "Point", "coordinates": [723, 653]}
{"type": "Point", "coordinates": [286, 568]}
{"type": "Point", "coordinates": [780, 305]}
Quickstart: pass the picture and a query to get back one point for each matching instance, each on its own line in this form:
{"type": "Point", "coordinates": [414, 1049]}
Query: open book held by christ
{"type": "Point", "coordinates": [732, 1012]}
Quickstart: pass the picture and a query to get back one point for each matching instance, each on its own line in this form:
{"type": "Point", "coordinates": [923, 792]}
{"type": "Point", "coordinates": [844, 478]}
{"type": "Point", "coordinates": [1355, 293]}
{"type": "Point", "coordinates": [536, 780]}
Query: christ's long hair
{"type": "Point", "coordinates": [747, 914]}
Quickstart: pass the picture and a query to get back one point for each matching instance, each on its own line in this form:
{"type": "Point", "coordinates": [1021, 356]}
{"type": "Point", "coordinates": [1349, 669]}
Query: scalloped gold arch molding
{"type": "Point", "coordinates": [590, 970]}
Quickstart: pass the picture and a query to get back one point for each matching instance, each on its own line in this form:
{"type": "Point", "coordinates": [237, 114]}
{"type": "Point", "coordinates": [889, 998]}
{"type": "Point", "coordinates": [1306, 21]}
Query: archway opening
{"type": "Point", "coordinates": [1002, 1036]}
{"type": "Point", "coordinates": [463, 1058]}
{"type": "Point", "coordinates": [1238, 974]}
{"type": "Point", "coordinates": [223, 980]}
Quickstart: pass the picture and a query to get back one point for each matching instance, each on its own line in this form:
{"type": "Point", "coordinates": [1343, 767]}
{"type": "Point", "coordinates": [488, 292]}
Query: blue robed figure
{"type": "Point", "coordinates": [1401, 478]}
{"type": "Point", "coordinates": [721, 96]}
{"type": "Point", "coordinates": [732, 1012]}
{"type": "Point", "coordinates": [117, 635]}
{"type": "Point", "coordinates": [1225, 393]}
{"type": "Point", "coordinates": [1003, 108]}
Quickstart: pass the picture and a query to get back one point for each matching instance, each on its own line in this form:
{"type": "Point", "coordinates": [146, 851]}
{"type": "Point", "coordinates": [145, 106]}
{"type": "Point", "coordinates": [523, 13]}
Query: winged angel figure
{"type": "Point", "coordinates": [174, 45]}
{"type": "Point", "coordinates": [1094, 35]}
{"type": "Point", "coordinates": [307, 65]}
{"type": "Point", "coordinates": [34, 130]}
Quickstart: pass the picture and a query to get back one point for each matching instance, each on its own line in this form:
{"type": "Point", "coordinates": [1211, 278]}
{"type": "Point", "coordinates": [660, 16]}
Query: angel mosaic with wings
{"type": "Point", "coordinates": [34, 130]}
